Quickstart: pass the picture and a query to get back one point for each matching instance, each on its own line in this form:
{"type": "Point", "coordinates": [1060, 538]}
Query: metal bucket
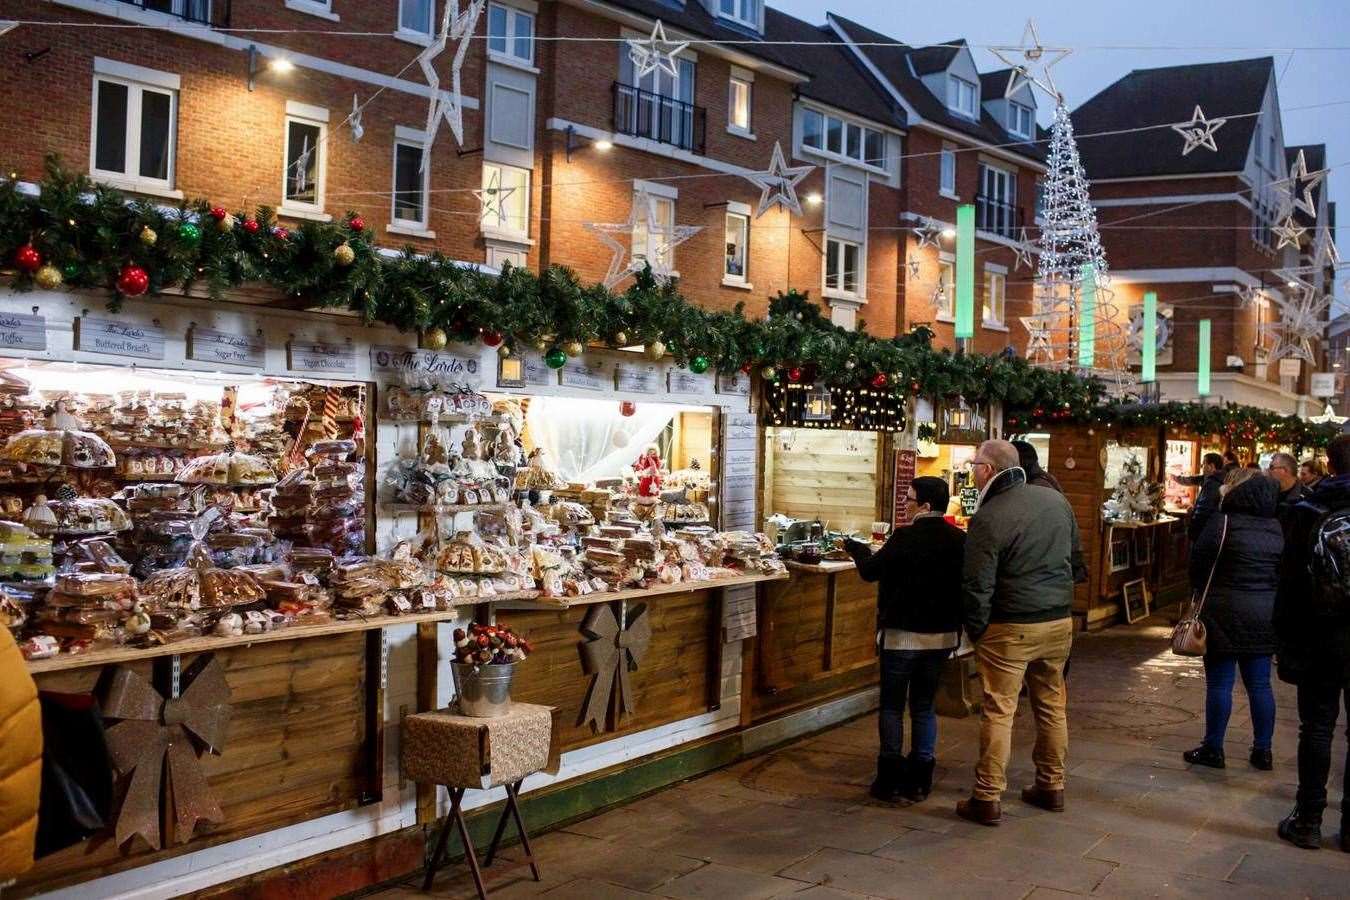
{"type": "Point", "coordinates": [484, 691]}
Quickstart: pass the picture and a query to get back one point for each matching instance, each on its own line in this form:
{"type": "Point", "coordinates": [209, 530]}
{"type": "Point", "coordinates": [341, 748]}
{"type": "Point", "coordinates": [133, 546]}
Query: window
{"type": "Point", "coordinates": [662, 107]}
{"type": "Point", "coordinates": [511, 33]}
{"type": "Point", "coordinates": [961, 96]}
{"type": "Point", "coordinates": [506, 199]}
{"type": "Point", "coordinates": [834, 136]}
{"type": "Point", "coordinates": [1274, 161]}
{"type": "Point", "coordinates": [1021, 120]}
{"type": "Point", "coordinates": [874, 148]}
{"type": "Point", "coordinates": [841, 267]}
{"type": "Point", "coordinates": [305, 165]}
{"type": "Point", "coordinates": [738, 241]}
{"type": "Point", "coordinates": [744, 11]}
{"type": "Point", "coordinates": [944, 298]}
{"type": "Point", "coordinates": [996, 203]}
{"type": "Point", "coordinates": [738, 105]}
{"type": "Point", "coordinates": [947, 170]}
{"type": "Point", "coordinates": [134, 131]}
{"type": "Point", "coordinates": [651, 238]}
{"type": "Point", "coordinates": [192, 10]}
{"type": "Point", "coordinates": [415, 16]}
{"type": "Point", "coordinates": [995, 291]}
{"type": "Point", "coordinates": [813, 129]}
{"type": "Point", "coordinates": [410, 185]}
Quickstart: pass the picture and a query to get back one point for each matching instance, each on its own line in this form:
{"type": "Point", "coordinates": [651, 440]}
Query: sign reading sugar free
{"type": "Point", "coordinates": [21, 332]}
{"type": "Point", "coordinates": [115, 338]}
{"type": "Point", "coordinates": [321, 358]}
{"type": "Point", "coordinates": [225, 347]}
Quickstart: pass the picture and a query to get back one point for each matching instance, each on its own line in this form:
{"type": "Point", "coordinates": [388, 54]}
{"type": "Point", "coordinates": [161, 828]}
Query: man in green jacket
{"type": "Point", "coordinates": [1017, 587]}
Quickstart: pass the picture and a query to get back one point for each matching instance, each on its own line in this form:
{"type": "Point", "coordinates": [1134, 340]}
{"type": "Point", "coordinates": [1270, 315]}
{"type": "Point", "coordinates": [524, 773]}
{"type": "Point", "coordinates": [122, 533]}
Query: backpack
{"type": "Point", "coordinates": [1329, 561]}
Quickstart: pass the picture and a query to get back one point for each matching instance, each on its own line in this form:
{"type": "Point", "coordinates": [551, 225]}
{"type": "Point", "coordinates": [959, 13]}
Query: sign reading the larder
{"type": "Point", "coordinates": [116, 338]}
{"type": "Point", "coordinates": [20, 332]}
{"type": "Point", "coordinates": [228, 348]}
{"type": "Point", "coordinates": [320, 358]}
{"type": "Point", "coordinates": [435, 364]}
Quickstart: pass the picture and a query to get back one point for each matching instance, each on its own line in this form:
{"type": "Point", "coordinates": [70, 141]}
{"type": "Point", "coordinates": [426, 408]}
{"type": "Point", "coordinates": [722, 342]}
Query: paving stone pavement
{"type": "Point", "coordinates": [798, 822]}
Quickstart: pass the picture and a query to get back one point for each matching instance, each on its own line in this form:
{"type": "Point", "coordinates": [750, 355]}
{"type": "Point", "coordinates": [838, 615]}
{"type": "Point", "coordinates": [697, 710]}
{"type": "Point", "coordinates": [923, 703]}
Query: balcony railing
{"type": "Point", "coordinates": [215, 13]}
{"type": "Point", "coordinates": [998, 217]}
{"type": "Point", "coordinates": [658, 118]}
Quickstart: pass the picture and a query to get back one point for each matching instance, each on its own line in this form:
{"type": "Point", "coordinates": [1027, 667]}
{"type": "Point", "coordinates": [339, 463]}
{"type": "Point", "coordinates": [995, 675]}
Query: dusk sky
{"type": "Point", "coordinates": [1110, 39]}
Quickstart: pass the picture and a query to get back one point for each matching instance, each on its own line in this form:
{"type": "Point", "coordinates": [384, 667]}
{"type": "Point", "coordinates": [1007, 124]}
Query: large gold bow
{"type": "Point", "coordinates": [158, 742]}
{"type": "Point", "coordinates": [610, 654]}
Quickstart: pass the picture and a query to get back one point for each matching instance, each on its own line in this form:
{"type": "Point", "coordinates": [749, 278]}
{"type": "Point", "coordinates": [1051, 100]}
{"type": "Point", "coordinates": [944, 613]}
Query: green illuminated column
{"type": "Point", "coordinates": [1148, 350]}
{"type": "Point", "coordinates": [965, 271]}
{"type": "Point", "coordinates": [1087, 319]}
{"type": "Point", "coordinates": [1202, 366]}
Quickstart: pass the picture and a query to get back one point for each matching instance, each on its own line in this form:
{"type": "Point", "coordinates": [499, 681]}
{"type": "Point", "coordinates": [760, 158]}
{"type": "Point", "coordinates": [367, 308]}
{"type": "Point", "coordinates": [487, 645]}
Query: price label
{"type": "Point", "coordinates": [114, 338]}
{"type": "Point", "coordinates": [537, 371]}
{"type": "Point", "coordinates": [321, 358]}
{"type": "Point", "coordinates": [20, 332]}
{"type": "Point", "coordinates": [637, 378]}
{"type": "Point", "coordinates": [229, 348]}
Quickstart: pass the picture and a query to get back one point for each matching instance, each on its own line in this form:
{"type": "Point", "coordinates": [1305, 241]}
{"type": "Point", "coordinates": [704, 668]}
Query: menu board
{"type": "Point", "coordinates": [115, 337]}
{"type": "Point", "coordinates": [739, 448]}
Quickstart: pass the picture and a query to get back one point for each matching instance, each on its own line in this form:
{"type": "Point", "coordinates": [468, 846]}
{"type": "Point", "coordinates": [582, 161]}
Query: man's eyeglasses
{"type": "Point", "coordinates": [980, 462]}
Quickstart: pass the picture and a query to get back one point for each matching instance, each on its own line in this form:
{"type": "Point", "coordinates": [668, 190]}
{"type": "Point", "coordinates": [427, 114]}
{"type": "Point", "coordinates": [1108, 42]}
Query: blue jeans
{"type": "Point", "coordinates": [912, 675]}
{"type": "Point", "coordinates": [1220, 675]}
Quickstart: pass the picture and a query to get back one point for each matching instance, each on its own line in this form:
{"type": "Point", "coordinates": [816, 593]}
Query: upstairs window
{"type": "Point", "coordinates": [410, 185]}
{"type": "Point", "coordinates": [305, 165]}
{"type": "Point", "coordinates": [738, 105]}
{"type": "Point", "coordinates": [995, 294]}
{"type": "Point", "coordinates": [962, 96]}
{"type": "Point", "coordinates": [414, 16]}
{"type": "Point", "coordinates": [737, 240]}
{"type": "Point", "coordinates": [841, 267]}
{"type": "Point", "coordinates": [511, 33]}
{"type": "Point", "coordinates": [844, 139]}
{"type": "Point", "coordinates": [506, 201]}
{"type": "Point", "coordinates": [651, 240]}
{"type": "Point", "coordinates": [947, 170]}
{"type": "Point", "coordinates": [944, 298]}
{"type": "Point", "coordinates": [746, 12]}
{"type": "Point", "coordinates": [1021, 120]}
{"type": "Point", "coordinates": [134, 130]}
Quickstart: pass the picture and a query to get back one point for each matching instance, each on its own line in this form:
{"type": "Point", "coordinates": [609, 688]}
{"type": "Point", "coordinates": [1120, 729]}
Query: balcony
{"type": "Point", "coordinates": [998, 217]}
{"type": "Point", "coordinates": [215, 13]}
{"type": "Point", "coordinates": [658, 118]}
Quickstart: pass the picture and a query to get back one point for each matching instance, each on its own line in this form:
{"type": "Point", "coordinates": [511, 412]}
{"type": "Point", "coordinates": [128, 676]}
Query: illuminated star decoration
{"type": "Point", "coordinates": [1289, 232]}
{"type": "Point", "coordinates": [661, 241]}
{"type": "Point", "coordinates": [1302, 320]}
{"type": "Point", "coordinates": [490, 198]}
{"type": "Point", "coordinates": [927, 233]}
{"type": "Point", "coordinates": [1038, 338]}
{"type": "Point", "coordinates": [1199, 132]}
{"type": "Point", "coordinates": [655, 53]}
{"type": "Point", "coordinates": [778, 185]}
{"type": "Point", "coordinates": [354, 120]}
{"type": "Point", "coordinates": [913, 264]}
{"type": "Point", "coordinates": [1032, 67]}
{"type": "Point", "coordinates": [1301, 180]}
{"type": "Point", "coordinates": [1022, 252]}
{"type": "Point", "coordinates": [449, 105]}
{"type": "Point", "coordinates": [1249, 295]}
{"type": "Point", "coordinates": [1327, 252]}
{"type": "Point", "coordinates": [1328, 417]}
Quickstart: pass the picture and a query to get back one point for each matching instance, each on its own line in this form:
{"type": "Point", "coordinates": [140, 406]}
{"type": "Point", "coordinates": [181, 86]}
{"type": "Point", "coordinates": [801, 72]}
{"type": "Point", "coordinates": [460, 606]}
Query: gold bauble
{"type": "Point", "coordinates": [574, 348]}
{"type": "Point", "coordinates": [148, 236]}
{"type": "Point", "coordinates": [48, 277]}
{"type": "Point", "coordinates": [344, 254]}
{"type": "Point", "coordinates": [655, 350]}
{"type": "Point", "coordinates": [503, 351]}
{"type": "Point", "coordinates": [432, 338]}
{"type": "Point", "coordinates": [542, 344]}
{"type": "Point", "coordinates": [226, 224]}
{"type": "Point", "coordinates": [620, 338]}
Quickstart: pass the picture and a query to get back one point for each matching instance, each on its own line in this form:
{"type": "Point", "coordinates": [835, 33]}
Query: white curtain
{"type": "Point", "coordinates": [589, 439]}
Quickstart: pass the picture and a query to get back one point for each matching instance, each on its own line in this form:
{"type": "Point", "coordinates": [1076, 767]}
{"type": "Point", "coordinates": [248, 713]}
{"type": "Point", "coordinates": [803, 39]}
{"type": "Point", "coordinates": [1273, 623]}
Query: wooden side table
{"type": "Point", "coordinates": [464, 753]}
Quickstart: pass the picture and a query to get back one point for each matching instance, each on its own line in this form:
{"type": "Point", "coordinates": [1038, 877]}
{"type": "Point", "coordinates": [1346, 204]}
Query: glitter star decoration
{"type": "Point", "coordinates": [778, 184]}
{"type": "Point", "coordinates": [927, 233]}
{"type": "Point", "coordinates": [1302, 321]}
{"type": "Point", "coordinates": [660, 241]}
{"type": "Point", "coordinates": [1030, 64]}
{"type": "Point", "coordinates": [655, 53]}
{"type": "Point", "coordinates": [491, 198]}
{"type": "Point", "coordinates": [1289, 232]}
{"type": "Point", "coordinates": [448, 105]}
{"type": "Point", "coordinates": [1038, 338]}
{"type": "Point", "coordinates": [1199, 132]}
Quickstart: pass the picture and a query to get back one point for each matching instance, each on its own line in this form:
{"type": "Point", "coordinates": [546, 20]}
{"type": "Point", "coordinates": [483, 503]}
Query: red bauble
{"type": "Point", "coordinates": [627, 408]}
{"type": "Point", "coordinates": [251, 226]}
{"type": "Point", "coordinates": [914, 388]}
{"type": "Point", "coordinates": [280, 233]}
{"type": "Point", "coordinates": [356, 223]}
{"type": "Point", "coordinates": [794, 373]}
{"type": "Point", "coordinates": [879, 380]}
{"type": "Point", "coordinates": [492, 338]}
{"type": "Point", "coordinates": [133, 281]}
{"type": "Point", "coordinates": [28, 259]}
{"type": "Point", "coordinates": [219, 213]}
{"type": "Point", "coordinates": [745, 367]}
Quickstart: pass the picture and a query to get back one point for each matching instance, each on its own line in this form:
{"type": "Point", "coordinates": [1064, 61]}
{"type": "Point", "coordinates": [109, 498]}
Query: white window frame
{"type": "Point", "coordinates": [500, 230]}
{"type": "Point", "coordinates": [509, 55]}
{"type": "Point", "coordinates": [316, 116]}
{"type": "Point", "coordinates": [136, 80]}
{"type": "Point", "coordinates": [956, 88]}
{"type": "Point", "coordinates": [757, 11]}
{"type": "Point", "coordinates": [835, 246]}
{"type": "Point", "coordinates": [408, 137]}
{"type": "Point", "coordinates": [321, 8]}
{"type": "Point", "coordinates": [946, 312]}
{"type": "Point", "coordinates": [662, 197]}
{"type": "Point", "coordinates": [1016, 113]}
{"type": "Point", "coordinates": [823, 150]}
{"type": "Point", "coordinates": [415, 35]}
{"type": "Point", "coordinates": [995, 275]}
{"type": "Point", "coordinates": [739, 211]}
{"type": "Point", "coordinates": [947, 167]}
{"type": "Point", "coordinates": [735, 83]}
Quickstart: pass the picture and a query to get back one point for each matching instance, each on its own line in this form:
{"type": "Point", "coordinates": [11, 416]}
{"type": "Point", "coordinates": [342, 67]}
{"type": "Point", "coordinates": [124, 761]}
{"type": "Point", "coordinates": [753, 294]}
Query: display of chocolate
{"type": "Point", "coordinates": [57, 446]}
{"type": "Point", "coordinates": [483, 645]}
{"type": "Point", "coordinates": [227, 468]}
{"type": "Point", "coordinates": [76, 516]}
{"type": "Point", "coordinates": [24, 556]}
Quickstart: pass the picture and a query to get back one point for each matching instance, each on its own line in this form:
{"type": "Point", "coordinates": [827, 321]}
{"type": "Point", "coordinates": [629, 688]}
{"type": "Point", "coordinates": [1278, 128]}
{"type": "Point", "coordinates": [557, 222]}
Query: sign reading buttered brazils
{"type": "Point", "coordinates": [437, 365]}
{"type": "Point", "coordinates": [321, 357]}
{"type": "Point", "coordinates": [114, 337]}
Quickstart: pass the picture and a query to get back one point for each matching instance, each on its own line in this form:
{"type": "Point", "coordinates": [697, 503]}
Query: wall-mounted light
{"type": "Point", "coordinates": [603, 146]}
{"type": "Point", "coordinates": [949, 232]}
{"type": "Point", "coordinates": [814, 198]}
{"type": "Point", "coordinates": [575, 141]}
{"type": "Point", "coordinates": [279, 64]}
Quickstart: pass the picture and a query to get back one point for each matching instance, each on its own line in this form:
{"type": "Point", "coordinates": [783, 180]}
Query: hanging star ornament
{"type": "Point", "coordinates": [778, 184]}
{"type": "Point", "coordinates": [927, 233]}
{"type": "Point", "coordinates": [1327, 253]}
{"type": "Point", "coordinates": [1289, 232]}
{"type": "Point", "coordinates": [1038, 338]}
{"type": "Point", "coordinates": [1030, 64]}
{"type": "Point", "coordinates": [1022, 252]}
{"type": "Point", "coordinates": [661, 241]}
{"type": "Point", "coordinates": [1299, 186]}
{"type": "Point", "coordinates": [1302, 321]}
{"type": "Point", "coordinates": [354, 120]}
{"type": "Point", "coordinates": [913, 264]}
{"type": "Point", "coordinates": [491, 198]}
{"type": "Point", "coordinates": [655, 53]}
{"type": "Point", "coordinates": [449, 105]}
{"type": "Point", "coordinates": [1199, 132]}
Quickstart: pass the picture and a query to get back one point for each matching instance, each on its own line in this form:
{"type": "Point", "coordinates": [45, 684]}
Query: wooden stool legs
{"type": "Point", "coordinates": [456, 818]}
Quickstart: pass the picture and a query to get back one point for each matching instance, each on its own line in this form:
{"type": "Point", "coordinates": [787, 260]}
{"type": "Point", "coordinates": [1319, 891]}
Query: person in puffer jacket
{"type": "Point", "coordinates": [20, 761]}
{"type": "Point", "coordinates": [1239, 610]}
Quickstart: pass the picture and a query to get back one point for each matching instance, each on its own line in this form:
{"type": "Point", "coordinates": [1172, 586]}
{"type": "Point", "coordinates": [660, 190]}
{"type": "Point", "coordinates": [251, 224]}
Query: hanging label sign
{"type": "Point", "coordinates": [1290, 367]}
{"type": "Point", "coordinates": [682, 381]}
{"type": "Point", "coordinates": [738, 614]}
{"type": "Point", "coordinates": [510, 372]}
{"type": "Point", "coordinates": [637, 378]}
{"type": "Point", "coordinates": [211, 346]}
{"type": "Point", "coordinates": [320, 358]}
{"type": "Point", "coordinates": [736, 384]}
{"type": "Point", "coordinates": [436, 364]}
{"type": "Point", "coordinates": [537, 371]}
{"type": "Point", "coordinates": [21, 332]}
{"type": "Point", "coordinates": [579, 373]}
{"type": "Point", "coordinates": [1323, 383]}
{"type": "Point", "coordinates": [116, 338]}
{"type": "Point", "coordinates": [905, 461]}
{"type": "Point", "coordinates": [740, 431]}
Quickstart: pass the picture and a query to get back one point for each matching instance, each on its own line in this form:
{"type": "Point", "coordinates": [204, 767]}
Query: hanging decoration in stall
{"type": "Point", "coordinates": [793, 404]}
{"type": "Point", "coordinates": [610, 652]}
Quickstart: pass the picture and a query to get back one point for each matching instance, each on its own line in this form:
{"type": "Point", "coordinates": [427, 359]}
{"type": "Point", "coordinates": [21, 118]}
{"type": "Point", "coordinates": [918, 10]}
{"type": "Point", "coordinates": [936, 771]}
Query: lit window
{"type": "Point", "coordinates": [843, 139]}
{"type": "Point", "coordinates": [945, 297]}
{"type": "Point", "coordinates": [1020, 120]}
{"type": "Point", "coordinates": [961, 96]}
{"type": "Point", "coordinates": [738, 105]}
{"type": "Point", "coordinates": [813, 129]}
{"type": "Point", "coordinates": [415, 16]}
{"type": "Point", "coordinates": [506, 199]}
{"type": "Point", "coordinates": [738, 240]}
{"type": "Point", "coordinates": [410, 185]}
{"type": "Point", "coordinates": [134, 130]}
{"type": "Point", "coordinates": [947, 170]}
{"type": "Point", "coordinates": [841, 267]}
{"type": "Point", "coordinates": [511, 32]}
{"type": "Point", "coordinates": [745, 12]}
{"type": "Point", "coordinates": [305, 164]}
{"type": "Point", "coordinates": [995, 288]}
{"type": "Point", "coordinates": [651, 240]}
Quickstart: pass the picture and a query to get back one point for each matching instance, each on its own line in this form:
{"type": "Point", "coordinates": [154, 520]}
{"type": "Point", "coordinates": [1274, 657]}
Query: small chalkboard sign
{"type": "Point", "coordinates": [1136, 600]}
{"type": "Point", "coordinates": [970, 500]}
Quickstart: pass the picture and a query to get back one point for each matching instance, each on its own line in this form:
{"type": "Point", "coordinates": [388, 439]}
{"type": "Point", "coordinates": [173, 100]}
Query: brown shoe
{"type": "Point", "coordinates": [1046, 798]}
{"type": "Point", "coordinates": [981, 812]}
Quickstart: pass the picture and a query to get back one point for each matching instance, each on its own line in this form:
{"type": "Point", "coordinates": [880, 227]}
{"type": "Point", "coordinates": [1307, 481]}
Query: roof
{"type": "Point", "coordinates": [994, 85]}
{"type": "Point", "coordinates": [892, 59]}
{"type": "Point", "coordinates": [927, 60]}
{"type": "Point", "coordinates": [1151, 97]}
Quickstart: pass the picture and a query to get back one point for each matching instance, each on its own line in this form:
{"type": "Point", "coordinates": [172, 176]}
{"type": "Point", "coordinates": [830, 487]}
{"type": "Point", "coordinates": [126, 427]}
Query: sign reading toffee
{"type": "Point", "coordinates": [23, 332]}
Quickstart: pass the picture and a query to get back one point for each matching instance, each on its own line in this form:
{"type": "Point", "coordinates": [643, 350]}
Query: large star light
{"type": "Point", "coordinates": [491, 198]}
{"type": "Point", "coordinates": [1199, 132]}
{"type": "Point", "coordinates": [1022, 252]}
{"type": "Point", "coordinates": [448, 105]}
{"type": "Point", "coordinates": [1300, 185]}
{"type": "Point", "coordinates": [927, 233]}
{"type": "Point", "coordinates": [1030, 64]}
{"type": "Point", "coordinates": [1289, 232]}
{"type": "Point", "coordinates": [778, 185]}
{"type": "Point", "coordinates": [661, 241]}
{"type": "Point", "coordinates": [1302, 321]}
{"type": "Point", "coordinates": [655, 53]}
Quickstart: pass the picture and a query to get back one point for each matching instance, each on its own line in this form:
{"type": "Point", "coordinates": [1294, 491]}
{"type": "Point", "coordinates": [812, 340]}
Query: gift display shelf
{"type": "Point", "coordinates": [681, 587]}
{"type": "Point", "coordinates": [443, 509]}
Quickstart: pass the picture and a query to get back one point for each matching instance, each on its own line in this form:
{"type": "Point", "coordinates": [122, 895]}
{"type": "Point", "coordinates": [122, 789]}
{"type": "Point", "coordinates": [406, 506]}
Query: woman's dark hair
{"type": "Point", "coordinates": [932, 491]}
{"type": "Point", "coordinates": [1212, 459]}
{"type": "Point", "coordinates": [1338, 454]}
{"type": "Point", "coordinates": [1027, 458]}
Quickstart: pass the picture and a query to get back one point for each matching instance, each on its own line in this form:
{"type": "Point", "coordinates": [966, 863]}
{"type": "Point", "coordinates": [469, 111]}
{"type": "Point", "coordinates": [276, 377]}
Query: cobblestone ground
{"type": "Point", "coordinates": [1139, 823]}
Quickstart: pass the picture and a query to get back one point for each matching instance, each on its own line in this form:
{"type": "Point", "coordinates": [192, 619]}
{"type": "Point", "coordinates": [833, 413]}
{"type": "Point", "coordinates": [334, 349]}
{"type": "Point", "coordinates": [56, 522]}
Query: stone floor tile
{"type": "Point", "coordinates": [590, 889]}
{"type": "Point", "coordinates": [755, 853]}
{"type": "Point", "coordinates": [1064, 871]}
{"type": "Point", "coordinates": [1188, 859]}
{"type": "Point", "coordinates": [873, 876]}
{"type": "Point", "coordinates": [641, 870]}
{"type": "Point", "coordinates": [1275, 871]}
{"type": "Point", "coordinates": [719, 882]}
{"type": "Point", "coordinates": [820, 892]}
{"type": "Point", "coordinates": [1129, 882]}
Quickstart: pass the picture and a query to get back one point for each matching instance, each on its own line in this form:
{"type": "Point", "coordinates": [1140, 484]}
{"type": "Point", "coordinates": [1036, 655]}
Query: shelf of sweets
{"type": "Point", "coordinates": [656, 590]}
{"type": "Point", "coordinates": [443, 509]}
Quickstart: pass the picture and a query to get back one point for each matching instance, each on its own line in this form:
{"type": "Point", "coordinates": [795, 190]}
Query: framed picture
{"type": "Point", "coordinates": [1143, 547]}
{"type": "Point", "coordinates": [1136, 600]}
{"type": "Point", "coordinates": [1120, 554]}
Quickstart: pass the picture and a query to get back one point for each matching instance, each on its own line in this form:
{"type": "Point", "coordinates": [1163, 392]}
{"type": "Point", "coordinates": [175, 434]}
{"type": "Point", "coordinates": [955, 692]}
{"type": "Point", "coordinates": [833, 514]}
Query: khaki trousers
{"type": "Point", "coordinates": [1008, 654]}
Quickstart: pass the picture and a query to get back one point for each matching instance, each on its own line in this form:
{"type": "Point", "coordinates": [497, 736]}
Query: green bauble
{"type": "Point", "coordinates": [189, 233]}
{"type": "Point", "coordinates": [555, 358]}
{"type": "Point", "coordinates": [71, 271]}
{"type": "Point", "coordinates": [698, 365]}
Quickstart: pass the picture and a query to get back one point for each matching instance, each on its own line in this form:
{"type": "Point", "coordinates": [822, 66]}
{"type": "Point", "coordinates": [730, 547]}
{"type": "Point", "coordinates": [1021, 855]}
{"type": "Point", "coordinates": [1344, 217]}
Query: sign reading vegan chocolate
{"type": "Point", "coordinates": [225, 347]}
{"type": "Point", "coordinates": [114, 338]}
{"type": "Point", "coordinates": [435, 364]}
{"type": "Point", "coordinates": [21, 332]}
{"type": "Point", "coordinates": [610, 652]}
{"type": "Point", "coordinates": [321, 358]}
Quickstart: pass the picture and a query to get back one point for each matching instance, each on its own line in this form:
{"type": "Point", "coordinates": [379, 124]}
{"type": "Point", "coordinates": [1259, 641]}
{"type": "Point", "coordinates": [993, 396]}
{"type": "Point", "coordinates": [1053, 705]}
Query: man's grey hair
{"type": "Point", "coordinates": [1002, 454]}
{"type": "Point", "coordinates": [1286, 460]}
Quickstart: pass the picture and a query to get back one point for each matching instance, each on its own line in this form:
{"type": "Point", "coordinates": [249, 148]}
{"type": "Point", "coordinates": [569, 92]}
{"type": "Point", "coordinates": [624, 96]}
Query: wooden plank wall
{"type": "Point", "coordinates": [821, 476]}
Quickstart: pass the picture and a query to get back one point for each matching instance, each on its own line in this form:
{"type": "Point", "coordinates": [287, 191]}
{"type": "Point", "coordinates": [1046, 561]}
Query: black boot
{"type": "Point", "coordinates": [1262, 759]}
{"type": "Point", "coordinates": [1303, 828]}
{"type": "Point", "coordinates": [889, 783]}
{"type": "Point", "coordinates": [1204, 756]}
{"type": "Point", "coordinates": [920, 781]}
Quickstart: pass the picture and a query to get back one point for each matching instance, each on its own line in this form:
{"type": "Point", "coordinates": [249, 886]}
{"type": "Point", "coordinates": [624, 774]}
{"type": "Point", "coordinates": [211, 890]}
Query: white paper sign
{"type": "Point", "coordinates": [637, 378]}
{"type": "Point", "coordinates": [682, 381]}
{"type": "Point", "coordinates": [20, 332]}
{"type": "Point", "coordinates": [736, 384]}
{"type": "Point", "coordinates": [589, 375]}
{"type": "Point", "coordinates": [1290, 367]}
{"type": "Point", "coordinates": [1323, 384]}
{"type": "Point", "coordinates": [230, 348]}
{"type": "Point", "coordinates": [537, 371]}
{"type": "Point", "coordinates": [436, 364]}
{"type": "Point", "coordinates": [115, 338]}
{"type": "Point", "coordinates": [320, 358]}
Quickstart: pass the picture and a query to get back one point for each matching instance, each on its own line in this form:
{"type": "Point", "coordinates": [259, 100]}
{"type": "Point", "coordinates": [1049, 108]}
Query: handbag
{"type": "Point", "coordinates": [1188, 637]}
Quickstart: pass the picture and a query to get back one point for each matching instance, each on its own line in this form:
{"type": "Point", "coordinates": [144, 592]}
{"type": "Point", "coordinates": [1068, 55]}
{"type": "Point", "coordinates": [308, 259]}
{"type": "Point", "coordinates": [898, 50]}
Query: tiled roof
{"type": "Point", "coordinates": [1152, 97]}
{"type": "Point", "coordinates": [927, 60]}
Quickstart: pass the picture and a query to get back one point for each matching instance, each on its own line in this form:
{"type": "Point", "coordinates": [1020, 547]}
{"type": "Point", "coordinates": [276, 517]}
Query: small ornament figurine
{"type": "Point", "coordinates": [648, 471]}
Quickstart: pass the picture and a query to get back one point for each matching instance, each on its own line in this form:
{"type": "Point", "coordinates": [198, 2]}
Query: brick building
{"type": "Point", "coordinates": [1199, 228]}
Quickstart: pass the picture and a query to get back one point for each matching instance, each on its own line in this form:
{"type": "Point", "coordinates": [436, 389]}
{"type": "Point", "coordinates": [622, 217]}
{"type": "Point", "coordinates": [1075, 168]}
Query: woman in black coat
{"type": "Point", "coordinates": [1238, 611]}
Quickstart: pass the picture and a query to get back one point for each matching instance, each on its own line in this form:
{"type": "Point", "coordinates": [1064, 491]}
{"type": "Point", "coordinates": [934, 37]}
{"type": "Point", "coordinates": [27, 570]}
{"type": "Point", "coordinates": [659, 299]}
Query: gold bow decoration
{"type": "Point", "coordinates": [157, 743]}
{"type": "Point", "coordinates": [612, 651]}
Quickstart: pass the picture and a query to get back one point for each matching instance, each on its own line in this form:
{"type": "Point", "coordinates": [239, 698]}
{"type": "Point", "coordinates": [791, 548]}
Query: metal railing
{"type": "Point", "coordinates": [215, 13]}
{"type": "Point", "coordinates": [649, 115]}
{"type": "Point", "coordinates": [999, 217]}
